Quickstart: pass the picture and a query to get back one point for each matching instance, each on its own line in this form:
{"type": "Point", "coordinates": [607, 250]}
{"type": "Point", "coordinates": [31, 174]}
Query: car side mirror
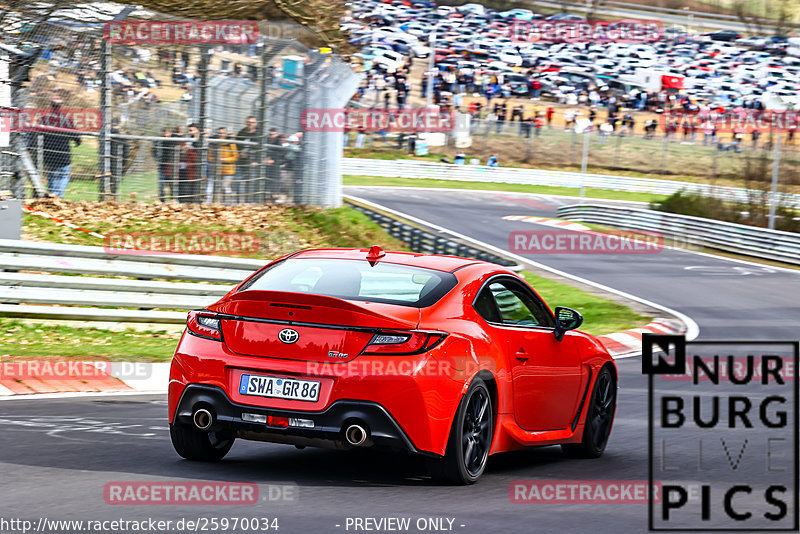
{"type": "Point", "coordinates": [566, 319]}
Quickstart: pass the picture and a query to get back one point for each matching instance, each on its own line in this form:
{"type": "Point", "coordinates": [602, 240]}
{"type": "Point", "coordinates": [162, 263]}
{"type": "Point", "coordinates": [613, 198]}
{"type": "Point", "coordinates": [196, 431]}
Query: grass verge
{"type": "Point", "coordinates": [492, 186]}
{"type": "Point", "coordinates": [600, 316]}
{"type": "Point", "coordinates": [38, 340]}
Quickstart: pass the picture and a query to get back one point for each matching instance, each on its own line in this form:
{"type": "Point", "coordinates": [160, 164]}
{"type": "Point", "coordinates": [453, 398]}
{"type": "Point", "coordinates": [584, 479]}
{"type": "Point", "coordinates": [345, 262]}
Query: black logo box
{"type": "Point", "coordinates": [678, 366]}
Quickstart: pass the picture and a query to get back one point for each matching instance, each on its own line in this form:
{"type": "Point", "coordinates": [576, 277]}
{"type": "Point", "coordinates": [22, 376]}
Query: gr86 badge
{"type": "Point", "coordinates": [723, 434]}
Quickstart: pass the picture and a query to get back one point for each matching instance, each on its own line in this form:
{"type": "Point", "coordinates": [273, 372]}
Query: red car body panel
{"type": "Point", "coordinates": [539, 384]}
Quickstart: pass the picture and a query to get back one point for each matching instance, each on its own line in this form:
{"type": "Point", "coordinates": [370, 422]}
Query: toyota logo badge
{"type": "Point", "coordinates": [289, 336]}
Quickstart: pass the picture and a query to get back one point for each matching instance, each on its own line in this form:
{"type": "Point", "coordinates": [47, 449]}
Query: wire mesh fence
{"type": "Point", "coordinates": [94, 118]}
{"type": "Point", "coordinates": [623, 150]}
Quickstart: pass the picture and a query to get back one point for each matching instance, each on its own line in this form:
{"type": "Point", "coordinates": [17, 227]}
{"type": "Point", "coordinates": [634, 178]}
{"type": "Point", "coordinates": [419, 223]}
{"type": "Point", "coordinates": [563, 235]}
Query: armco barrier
{"type": "Point", "coordinates": [420, 239]}
{"type": "Point", "coordinates": [479, 173]}
{"type": "Point", "coordinates": [737, 238]}
{"type": "Point", "coordinates": [156, 285]}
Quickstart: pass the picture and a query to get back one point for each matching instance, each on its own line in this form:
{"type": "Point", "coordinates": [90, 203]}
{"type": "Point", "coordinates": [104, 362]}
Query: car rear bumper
{"type": "Point", "coordinates": [328, 425]}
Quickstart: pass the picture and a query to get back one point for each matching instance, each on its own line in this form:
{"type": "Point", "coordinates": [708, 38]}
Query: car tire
{"type": "Point", "coordinates": [470, 439]}
{"type": "Point", "coordinates": [194, 444]}
{"type": "Point", "coordinates": [599, 418]}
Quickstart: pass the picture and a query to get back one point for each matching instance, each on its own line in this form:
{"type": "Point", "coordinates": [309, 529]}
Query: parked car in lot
{"type": "Point", "coordinates": [407, 45]}
{"type": "Point", "coordinates": [449, 358]}
{"type": "Point", "coordinates": [751, 66]}
{"type": "Point", "coordinates": [723, 35]}
{"type": "Point", "coordinates": [519, 14]}
{"type": "Point", "coordinates": [389, 59]}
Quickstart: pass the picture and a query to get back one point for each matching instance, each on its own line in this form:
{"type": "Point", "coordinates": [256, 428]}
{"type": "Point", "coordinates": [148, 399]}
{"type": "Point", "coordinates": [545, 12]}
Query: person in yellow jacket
{"type": "Point", "coordinates": [223, 157]}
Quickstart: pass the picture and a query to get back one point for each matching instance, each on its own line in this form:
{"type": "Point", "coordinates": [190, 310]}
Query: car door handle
{"type": "Point", "coordinates": [521, 355]}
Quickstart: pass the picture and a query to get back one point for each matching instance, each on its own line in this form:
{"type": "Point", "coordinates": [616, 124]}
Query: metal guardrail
{"type": "Point", "coordinates": [509, 175]}
{"type": "Point", "coordinates": [425, 240]}
{"type": "Point", "coordinates": [25, 311]}
{"type": "Point", "coordinates": [737, 238]}
{"type": "Point", "coordinates": [91, 298]}
{"type": "Point", "coordinates": [132, 269]}
{"type": "Point", "coordinates": [698, 16]}
{"type": "Point", "coordinates": [53, 281]}
{"type": "Point", "coordinates": [16, 246]}
{"type": "Point", "coordinates": [148, 294]}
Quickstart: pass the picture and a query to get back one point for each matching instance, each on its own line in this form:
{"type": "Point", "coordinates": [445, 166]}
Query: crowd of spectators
{"type": "Point", "coordinates": [236, 169]}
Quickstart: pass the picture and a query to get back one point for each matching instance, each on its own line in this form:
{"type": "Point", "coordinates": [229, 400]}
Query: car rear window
{"type": "Point", "coordinates": [356, 280]}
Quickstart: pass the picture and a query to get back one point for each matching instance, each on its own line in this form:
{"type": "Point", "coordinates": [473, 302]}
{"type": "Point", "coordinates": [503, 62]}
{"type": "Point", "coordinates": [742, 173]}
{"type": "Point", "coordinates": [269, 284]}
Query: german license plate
{"type": "Point", "coordinates": [280, 388]}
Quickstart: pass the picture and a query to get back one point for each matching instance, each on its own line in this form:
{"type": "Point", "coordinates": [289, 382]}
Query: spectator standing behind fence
{"type": "Point", "coordinates": [196, 186]}
{"type": "Point", "coordinates": [187, 172]}
{"type": "Point", "coordinates": [164, 154]}
{"type": "Point", "coordinates": [120, 154]}
{"type": "Point", "coordinates": [273, 161]}
{"type": "Point", "coordinates": [223, 156]}
{"type": "Point", "coordinates": [57, 153]}
{"type": "Point", "coordinates": [246, 164]}
{"type": "Point", "coordinates": [291, 163]}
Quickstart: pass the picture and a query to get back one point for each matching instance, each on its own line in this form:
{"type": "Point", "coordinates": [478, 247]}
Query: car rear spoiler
{"type": "Point", "coordinates": [316, 308]}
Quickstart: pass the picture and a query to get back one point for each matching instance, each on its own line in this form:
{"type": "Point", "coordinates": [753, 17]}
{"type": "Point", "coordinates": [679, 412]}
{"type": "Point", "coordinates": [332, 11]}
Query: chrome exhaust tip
{"type": "Point", "coordinates": [356, 435]}
{"type": "Point", "coordinates": [203, 419]}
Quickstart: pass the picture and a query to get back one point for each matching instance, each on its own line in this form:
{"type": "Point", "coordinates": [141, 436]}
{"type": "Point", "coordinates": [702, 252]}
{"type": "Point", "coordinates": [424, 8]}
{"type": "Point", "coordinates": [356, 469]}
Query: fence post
{"type": "Point", "coordinates": [714, 161]}
{"type": "Point", "coordinates": [664, 154]}
{"type": "Point", "coordinates": [776, 164]}
{"type": "Point", "coordinates": [40, 153]}
{"type": "Point", "coordinates": [202, 120]}
{"type": "Point", "coordinates": [104, 141]}
{"type": "Point", "coordinates": [263, 121]}
{"type": "Point", "coordinates": [584, 161]}
{"type": "Point", "coordinates": [572, 147]}
{"type": "Point", "coordinates": [118, 163]}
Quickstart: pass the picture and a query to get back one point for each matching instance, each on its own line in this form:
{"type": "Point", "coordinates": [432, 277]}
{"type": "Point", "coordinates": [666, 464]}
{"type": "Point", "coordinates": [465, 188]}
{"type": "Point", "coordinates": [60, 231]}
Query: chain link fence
{"type": "Point", "coordinates": [626, 149]}
{"type": "Point", "coordinates": [91, 119]}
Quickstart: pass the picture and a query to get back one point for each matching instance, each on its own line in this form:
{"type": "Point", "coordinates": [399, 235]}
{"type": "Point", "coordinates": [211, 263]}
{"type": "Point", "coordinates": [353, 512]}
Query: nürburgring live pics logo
{"type": "Point", "coordinates": [722, 434]}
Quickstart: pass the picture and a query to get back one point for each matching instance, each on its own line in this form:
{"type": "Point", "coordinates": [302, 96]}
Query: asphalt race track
{"type": "Point", "coordinates": [728, 300]}
{"type": "Point", "coordinates": [56, 455]}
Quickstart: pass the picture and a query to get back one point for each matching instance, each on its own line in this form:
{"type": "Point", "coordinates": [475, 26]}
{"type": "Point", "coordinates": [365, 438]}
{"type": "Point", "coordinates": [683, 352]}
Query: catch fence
{"type": "Point", "coordinates": [200, 122]}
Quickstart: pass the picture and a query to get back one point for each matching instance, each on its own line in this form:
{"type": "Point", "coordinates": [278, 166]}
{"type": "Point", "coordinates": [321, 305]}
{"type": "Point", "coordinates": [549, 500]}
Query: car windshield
{"type": "Point", "coordinates": [390, 283]}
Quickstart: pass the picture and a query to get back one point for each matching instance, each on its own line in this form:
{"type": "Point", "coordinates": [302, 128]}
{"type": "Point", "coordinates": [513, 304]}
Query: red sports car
{"type": "Point", "coordinates": [450, 358]}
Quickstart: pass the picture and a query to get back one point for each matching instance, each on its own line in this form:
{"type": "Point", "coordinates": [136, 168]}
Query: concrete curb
{"type": "Point", "coordinates": [630, 341]}
{"type": "Point", "coordinates": [34, 377]}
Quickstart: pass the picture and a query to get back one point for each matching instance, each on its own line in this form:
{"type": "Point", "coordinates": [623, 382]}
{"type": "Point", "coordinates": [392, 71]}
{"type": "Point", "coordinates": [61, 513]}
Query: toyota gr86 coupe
{"type": "Point", "coordinates": [450, 358]}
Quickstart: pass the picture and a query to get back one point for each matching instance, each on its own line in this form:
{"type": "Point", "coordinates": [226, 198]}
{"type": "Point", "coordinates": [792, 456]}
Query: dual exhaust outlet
{"type": "Point", "coordinates": [355, 434]}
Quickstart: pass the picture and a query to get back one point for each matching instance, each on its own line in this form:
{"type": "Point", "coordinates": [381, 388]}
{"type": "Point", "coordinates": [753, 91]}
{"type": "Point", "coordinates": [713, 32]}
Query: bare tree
{"type": "Point", "coordinates": [321, 17]}
{"type": "Point", "coordinates": [776, 17]}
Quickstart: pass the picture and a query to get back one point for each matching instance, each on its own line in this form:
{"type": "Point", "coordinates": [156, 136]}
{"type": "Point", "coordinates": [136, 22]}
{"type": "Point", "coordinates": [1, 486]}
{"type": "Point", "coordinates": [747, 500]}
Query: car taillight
{"type": "Point", "coordinates": [204, 324]}
{"type": "Point", "coordinates": [403, 342]}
